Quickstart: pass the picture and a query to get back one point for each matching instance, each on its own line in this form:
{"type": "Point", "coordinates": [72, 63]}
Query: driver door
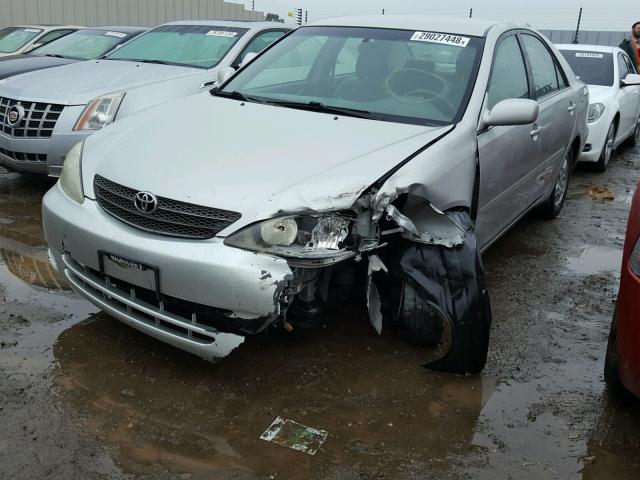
{"type": "Point", "coordinates": [507, 154]}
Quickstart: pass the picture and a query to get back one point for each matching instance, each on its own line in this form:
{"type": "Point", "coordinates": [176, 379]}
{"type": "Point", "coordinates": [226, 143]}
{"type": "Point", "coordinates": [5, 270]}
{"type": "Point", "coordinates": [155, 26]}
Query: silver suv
{"type": "Point", "coordinates": [44, 113]}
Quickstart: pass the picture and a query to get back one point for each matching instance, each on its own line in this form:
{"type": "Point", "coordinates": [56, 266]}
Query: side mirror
{"type": "Point", "coordinates": [512, 111]}
{"type": "Point", "coordinates": [224, 74]}
{"type": "Point", "coordinates": [630, 79]}
{"type": "Point", "coordinates": [247, 58]}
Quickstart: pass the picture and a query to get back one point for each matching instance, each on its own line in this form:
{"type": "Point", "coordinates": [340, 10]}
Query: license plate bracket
{"type": "Point", "coordinates": [130, 271]}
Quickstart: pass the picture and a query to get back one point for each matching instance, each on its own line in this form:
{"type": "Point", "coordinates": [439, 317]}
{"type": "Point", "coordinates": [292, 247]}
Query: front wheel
{"type": "Point", "coordinates": [552, 207]}
{"type": "Point", "coordinates": [607, 149]}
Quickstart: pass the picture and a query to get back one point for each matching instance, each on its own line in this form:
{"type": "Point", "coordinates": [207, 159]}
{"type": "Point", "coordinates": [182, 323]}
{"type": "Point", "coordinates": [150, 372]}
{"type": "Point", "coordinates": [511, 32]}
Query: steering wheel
{"type": "Point", "coordinates": [416, 76]}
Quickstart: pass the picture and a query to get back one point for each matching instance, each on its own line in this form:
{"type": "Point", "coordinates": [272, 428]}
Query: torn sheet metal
{"type": "Point", "coordinates": [294, 435]}
{"type": "Point", "coordinates": [453, 280]}
{"type": "Point", "coordinates": [374, 304]}
{"type": "Point", "coordinates": [424, 223]}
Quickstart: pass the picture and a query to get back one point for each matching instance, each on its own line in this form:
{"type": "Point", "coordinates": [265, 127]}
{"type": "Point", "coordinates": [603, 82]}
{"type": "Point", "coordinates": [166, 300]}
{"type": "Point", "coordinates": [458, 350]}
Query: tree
{"type": "Point", "coordinates": [273, 17]}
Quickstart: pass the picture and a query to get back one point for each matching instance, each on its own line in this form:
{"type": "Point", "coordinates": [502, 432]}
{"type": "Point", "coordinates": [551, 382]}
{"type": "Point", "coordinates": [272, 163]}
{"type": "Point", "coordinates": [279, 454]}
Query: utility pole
{"type": "Point", "coordinates": [306, 16]}
{"type": "Point", "coordinates": [383, 11]}
{"type": "Point", "coordinates": [470, 12]}
{"type": "Point", "coordinates": [575, 38]}
{"type": "Point", "coordinates": [253, 5]}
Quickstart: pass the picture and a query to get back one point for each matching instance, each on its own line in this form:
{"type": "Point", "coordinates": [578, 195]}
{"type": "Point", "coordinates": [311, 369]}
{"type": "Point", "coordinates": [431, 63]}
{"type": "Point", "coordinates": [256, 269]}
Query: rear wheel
{"type": "Point", "coordinates": [607, 149]}
{"type": "Point", "coordinates": [552, 207]}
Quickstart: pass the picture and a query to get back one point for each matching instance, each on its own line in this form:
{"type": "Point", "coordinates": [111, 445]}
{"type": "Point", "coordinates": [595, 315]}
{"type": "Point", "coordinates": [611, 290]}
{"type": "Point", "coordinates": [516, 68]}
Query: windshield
{"type": "Point", "coordinates": [199, 46]}
{"type": "Point", "coordinates": [593, 68]}
{"type": "Point", "coordinates": [392, 75]}
{"type": "Point", "coordinates": [83, 44]}
{"type": "Point", "coordinates": [13, 39]}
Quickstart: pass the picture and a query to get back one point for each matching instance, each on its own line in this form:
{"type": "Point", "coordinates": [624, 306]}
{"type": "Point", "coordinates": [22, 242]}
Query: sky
{"type": "Point", "coordinates": [616, 15]}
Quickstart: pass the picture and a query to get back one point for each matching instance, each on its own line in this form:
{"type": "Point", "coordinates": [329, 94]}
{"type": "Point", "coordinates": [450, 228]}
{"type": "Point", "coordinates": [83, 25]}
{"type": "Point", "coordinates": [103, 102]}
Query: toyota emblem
{"type": "Point", "coordinates": [15, 115]}
{"type": "Point", "coordinates": [145, 202]}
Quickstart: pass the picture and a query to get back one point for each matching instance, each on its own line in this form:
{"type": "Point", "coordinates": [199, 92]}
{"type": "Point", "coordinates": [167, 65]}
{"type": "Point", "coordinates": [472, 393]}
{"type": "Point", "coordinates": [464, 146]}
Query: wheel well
{"type": "Point", "coordinates": [575, 149]}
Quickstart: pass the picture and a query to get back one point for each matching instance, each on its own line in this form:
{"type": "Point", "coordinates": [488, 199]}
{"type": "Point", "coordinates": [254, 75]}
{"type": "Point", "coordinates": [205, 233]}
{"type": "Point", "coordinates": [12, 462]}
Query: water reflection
{"type": "Point", "coordinates": [163, 409]}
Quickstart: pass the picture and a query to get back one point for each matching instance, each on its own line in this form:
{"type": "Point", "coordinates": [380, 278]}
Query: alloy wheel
{"type": "Point", "coordinates": [562, 183]}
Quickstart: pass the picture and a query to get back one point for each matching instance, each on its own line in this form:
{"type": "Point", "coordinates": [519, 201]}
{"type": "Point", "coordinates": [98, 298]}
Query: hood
{"type": "Point", "coordinates": [79, 83]}
{"type": "Point", "coordinates": [255, 159]}
{"type": "Point", "coordinates": [17, 64]}
{"type": "Point", "coordinates": [598, 93]}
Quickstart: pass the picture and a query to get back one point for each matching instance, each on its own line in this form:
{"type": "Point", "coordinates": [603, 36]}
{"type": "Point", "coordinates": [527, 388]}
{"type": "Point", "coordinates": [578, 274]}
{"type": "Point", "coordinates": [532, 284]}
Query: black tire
{"type": "Point", "coordinates": [552, 206]}
{"type": "Point", "coordinates": [467, 342]}
{"type": "Point", "coordinates": [611, 366]}
{"type": "Point", "coordinates": [607, 150]}
{"type": "Point", "coordinates": [635, 136]}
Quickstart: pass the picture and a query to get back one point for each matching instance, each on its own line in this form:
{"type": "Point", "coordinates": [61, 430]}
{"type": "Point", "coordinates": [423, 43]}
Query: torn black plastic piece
{"type": "Point", "coordinates": [445, 302]}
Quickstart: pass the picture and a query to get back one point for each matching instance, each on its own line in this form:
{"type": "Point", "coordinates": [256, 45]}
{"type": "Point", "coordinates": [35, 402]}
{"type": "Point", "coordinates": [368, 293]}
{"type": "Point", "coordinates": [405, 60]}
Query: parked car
{"type": "Point", "coordinates": [380, 152]}
{"type": "Point", "coordinates": [622, 362]}
{"type": "Point", "coordinates": [14, 40]}
{"type": "Point", "coordinates": [614, 92]}
{"type": "Point", "coordinates": [72, 101]}
{"type": "Point", "coordinates": [85, 44]}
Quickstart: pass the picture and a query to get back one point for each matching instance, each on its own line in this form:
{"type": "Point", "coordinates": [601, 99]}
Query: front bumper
{"type": "Point", "coordinates": [597, 135]}
{"type": "Point", "coordinates": [205, 286]}
{"type": "Point", "coordinates": [46, 154]}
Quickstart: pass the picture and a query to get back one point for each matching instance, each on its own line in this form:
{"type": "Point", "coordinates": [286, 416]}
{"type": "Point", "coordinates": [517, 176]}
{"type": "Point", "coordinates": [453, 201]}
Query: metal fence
{"type": "Point", "coordinates": [119, 12]}
{"type": "Point", "coordinates": [587, 37]}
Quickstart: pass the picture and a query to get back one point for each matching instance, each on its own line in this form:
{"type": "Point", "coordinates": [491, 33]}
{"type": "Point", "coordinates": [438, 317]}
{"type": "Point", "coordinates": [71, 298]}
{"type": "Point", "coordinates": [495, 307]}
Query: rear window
{"type": "Point", "coordinates": [593, 68]}
{"type": "Point", "coordinates": [199, 46]}
{"type": "Point", "coordinates": [13, 39]}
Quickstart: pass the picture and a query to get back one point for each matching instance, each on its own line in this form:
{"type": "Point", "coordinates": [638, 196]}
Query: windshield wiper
{"type": "Point", "coordinates": [238, 96]}
{"type": "Point", "coordinates": [321, 107]}
{"type": "Point", "coordinates": [55, 55]}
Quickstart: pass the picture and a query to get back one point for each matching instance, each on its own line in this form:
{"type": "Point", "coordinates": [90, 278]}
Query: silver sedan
{"type": "Point", "coordinates": [372, 158]}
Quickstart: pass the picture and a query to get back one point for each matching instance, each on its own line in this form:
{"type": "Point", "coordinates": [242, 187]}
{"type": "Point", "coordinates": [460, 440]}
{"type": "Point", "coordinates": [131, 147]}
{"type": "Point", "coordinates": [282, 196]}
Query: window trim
{"type": "Point", "coordinates": [238, 59]}
{"type": "Point", "coordinates": [558, 67]}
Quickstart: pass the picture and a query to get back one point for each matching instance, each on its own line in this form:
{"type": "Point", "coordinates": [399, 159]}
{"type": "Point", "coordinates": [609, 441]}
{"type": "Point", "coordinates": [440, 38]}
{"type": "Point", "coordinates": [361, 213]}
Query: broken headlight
{"type": "Point", "coordinates": [325, 238]}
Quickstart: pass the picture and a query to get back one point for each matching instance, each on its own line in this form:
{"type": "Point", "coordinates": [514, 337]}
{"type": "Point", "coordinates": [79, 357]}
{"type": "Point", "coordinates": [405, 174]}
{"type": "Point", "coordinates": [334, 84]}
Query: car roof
{"type": "Point", "coordinates": [120, 29]}
{"type": "Point", "coordinates": [48, 27]}
{"type": "Point", "coordinates": [587, 48]}
{"type": "Point", "coordinates": [476, 27]}
{"type": "Point", "coordinates": [233, 23]}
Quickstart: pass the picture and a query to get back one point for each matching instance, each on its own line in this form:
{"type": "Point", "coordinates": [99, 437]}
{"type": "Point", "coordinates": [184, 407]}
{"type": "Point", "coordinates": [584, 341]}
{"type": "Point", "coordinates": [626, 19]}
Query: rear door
{"type": "Point", "coordinates": [507, 154]}
{"type": "Point", "coordinates": [557, 118]}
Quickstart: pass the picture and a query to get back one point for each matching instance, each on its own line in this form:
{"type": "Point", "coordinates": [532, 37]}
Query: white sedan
{"type": "Point", "coordinates": [614, 95]}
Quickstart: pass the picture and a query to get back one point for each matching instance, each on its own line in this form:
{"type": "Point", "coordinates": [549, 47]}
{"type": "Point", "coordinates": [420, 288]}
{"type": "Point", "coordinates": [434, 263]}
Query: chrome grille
{"type": "Point", "coordinates": [39, 119]}
{"type": "Point", "coordinates": [173, 218]}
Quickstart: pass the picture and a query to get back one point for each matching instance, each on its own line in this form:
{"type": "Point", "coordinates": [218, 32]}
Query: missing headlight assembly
{"type": "Point", "coordinates": [417, 268]}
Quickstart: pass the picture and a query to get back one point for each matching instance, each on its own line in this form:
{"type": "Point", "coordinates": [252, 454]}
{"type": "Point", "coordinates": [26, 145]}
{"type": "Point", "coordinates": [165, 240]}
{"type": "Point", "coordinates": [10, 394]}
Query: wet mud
{"type": "Point", "coordinates": [83, 396]}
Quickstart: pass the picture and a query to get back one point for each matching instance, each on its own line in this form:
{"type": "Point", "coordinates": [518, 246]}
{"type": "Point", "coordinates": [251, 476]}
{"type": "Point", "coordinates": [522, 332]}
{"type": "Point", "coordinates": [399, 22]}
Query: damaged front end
{"type": "Point", "coordinates": [418, 268]}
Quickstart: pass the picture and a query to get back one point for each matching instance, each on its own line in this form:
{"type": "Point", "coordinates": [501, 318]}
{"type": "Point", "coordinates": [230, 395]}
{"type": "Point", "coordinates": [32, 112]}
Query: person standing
{"type": "Point", "coordinates": [630, 45]}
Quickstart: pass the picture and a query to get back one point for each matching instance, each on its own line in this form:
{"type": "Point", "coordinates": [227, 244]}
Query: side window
{"type": "Point", "coordinates": [260, 42]}
{"type": "Point", "coordinates": [623, 69]}
{"type": "Point", "coordinates": [630, 66]}
{"type": "Point", "coordinates": [543, 67]}
{"type": "Point", "coordinates": [509, 76]}
{"type": "Point", "coordinates": [51, 36]}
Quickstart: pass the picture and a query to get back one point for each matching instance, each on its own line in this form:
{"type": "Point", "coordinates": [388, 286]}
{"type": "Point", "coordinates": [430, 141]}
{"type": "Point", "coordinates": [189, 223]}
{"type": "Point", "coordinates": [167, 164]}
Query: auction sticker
{"type": "Point", "coordinates": [32, 30]}
{"type": "Point", "coordinates": [589, 55]}
{"type": "Point", "coordinates": [443, 38]}
{"type": "Point", "coordinates": [116, 34]}
{"type": "Point", "coordinates": [221, 33]}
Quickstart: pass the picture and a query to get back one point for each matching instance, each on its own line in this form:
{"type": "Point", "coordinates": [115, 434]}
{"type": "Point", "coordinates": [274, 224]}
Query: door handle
{"type": "Point", "coordinates": [536, 131]}
{"type": "Point", "coordinates": [571, 107]}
